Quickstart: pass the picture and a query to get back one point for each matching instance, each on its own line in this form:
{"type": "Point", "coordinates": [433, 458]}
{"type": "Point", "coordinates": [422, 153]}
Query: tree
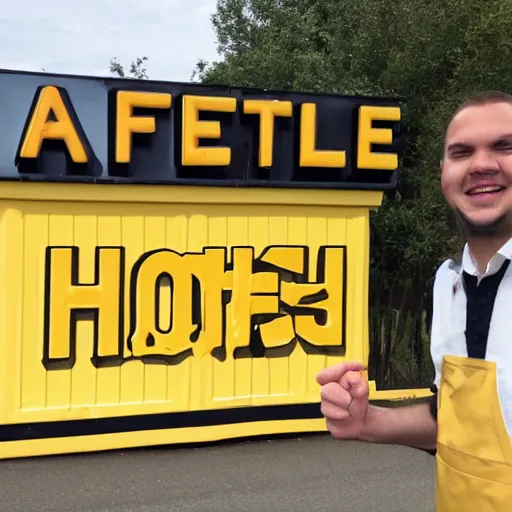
{"type": "Point", "coordinates": [137, 68]}
{"type": "Point", "coordinates": [431, 53]}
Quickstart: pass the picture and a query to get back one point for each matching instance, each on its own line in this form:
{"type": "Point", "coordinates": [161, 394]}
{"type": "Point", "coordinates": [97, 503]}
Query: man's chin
{"type": "Point", "coordinates": [482, 226]}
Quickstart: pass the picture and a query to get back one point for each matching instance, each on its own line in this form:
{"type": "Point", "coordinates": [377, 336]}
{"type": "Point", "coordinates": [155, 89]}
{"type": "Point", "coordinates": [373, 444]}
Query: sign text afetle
{"type": "Point", "coordinates": [154, 132]}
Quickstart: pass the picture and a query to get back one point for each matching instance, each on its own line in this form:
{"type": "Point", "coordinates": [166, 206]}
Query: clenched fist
{"type": "Point", "coordinates": [344, 396]}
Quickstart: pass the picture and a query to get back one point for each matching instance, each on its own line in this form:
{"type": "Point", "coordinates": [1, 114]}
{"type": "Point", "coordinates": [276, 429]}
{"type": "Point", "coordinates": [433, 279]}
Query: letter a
{"type": "Point", "coordinates": [51, 120]}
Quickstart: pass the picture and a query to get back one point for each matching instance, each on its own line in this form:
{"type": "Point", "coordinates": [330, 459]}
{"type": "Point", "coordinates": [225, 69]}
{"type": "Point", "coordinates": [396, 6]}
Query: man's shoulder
{"type": "Point", "coordinates": [447, 334]}
{"type": "Point", "coordinates": [447, 280]}
{"type": "Point", "coordinates": [448, 271]}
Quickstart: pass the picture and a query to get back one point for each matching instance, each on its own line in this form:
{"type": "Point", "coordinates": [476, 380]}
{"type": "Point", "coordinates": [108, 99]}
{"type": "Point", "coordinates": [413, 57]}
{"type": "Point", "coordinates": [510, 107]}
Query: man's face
{"type": "Point", "coordinates": [476, 172]}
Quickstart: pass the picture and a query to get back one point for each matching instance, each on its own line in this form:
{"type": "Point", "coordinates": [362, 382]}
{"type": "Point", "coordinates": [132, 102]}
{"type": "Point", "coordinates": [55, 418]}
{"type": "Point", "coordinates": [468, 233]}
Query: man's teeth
{"type": "Point", "coordinates": [484, 190]}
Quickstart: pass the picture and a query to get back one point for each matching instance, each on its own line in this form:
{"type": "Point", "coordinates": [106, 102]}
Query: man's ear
{"type": "Point", "coordinates": [441, 165]}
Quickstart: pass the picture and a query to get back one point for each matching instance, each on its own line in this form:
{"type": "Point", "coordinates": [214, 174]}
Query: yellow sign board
{"type": "Point", "coordinates": [179, 261]}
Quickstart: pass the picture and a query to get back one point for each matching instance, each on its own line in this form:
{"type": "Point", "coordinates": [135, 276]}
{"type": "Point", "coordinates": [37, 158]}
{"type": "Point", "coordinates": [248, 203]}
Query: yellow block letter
{"type": "Point", "coordinates": [193, 130]}
{"type": "Point", "coordinates": [185, 335]}
{"type": "Point", "coordinates": [126, 124]}
{"type": "Point", "coordinates": [42, 126]}
{"type": "Point", "coordinates": [325, 297]}
{"type": "Point", "coordinates": [369, 135]}
{"type": "Point", "coordinates": [309, 155]}
{"type": "Point", "coordinates": [280, 331]}
{"type": "Point", "coordinates": [252, 294]}
{"type": "Point", "coordinates": [65, 296]}
{"type": "Point", "coordinates": [267, 110]}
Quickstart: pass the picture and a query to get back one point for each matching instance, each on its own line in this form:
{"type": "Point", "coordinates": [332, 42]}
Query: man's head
{"type": "Point", "coordinates": [476, 170]}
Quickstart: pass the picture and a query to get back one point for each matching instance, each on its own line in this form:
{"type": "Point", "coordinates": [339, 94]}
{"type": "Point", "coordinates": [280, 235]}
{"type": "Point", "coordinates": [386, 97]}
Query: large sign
{"type": "Point", "coordinates": [111, 130]}
{"type": "Point", "coordinates": [138, 304]}
{"type": "Point", "coordinates": [183, 305]}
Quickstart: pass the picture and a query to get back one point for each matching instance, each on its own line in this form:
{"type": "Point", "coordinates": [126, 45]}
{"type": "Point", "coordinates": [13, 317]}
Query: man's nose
{"type": "Point", "coordinates": [483, 162]}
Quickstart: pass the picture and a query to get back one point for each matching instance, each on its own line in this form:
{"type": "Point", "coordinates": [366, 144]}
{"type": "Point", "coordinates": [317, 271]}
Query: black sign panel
{"type": "Point", "coordinates": [109, 130]}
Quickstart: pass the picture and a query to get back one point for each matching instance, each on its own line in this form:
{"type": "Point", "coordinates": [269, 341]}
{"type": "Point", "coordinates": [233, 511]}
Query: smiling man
{"type": "Point", "coordinates": [469, 421]}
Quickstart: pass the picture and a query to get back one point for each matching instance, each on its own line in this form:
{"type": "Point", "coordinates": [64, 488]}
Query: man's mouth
{"type": "Point", "coordinates": [489, 189]}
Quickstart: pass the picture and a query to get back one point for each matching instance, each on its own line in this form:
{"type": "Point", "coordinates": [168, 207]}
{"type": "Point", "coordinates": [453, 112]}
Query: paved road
{"type": "Point", "coordinates": [307, 474]}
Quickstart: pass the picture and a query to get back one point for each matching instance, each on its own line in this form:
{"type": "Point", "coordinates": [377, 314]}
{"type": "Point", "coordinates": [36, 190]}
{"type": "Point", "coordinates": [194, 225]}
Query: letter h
{"type": "Point", "coordinates": [66, 297]}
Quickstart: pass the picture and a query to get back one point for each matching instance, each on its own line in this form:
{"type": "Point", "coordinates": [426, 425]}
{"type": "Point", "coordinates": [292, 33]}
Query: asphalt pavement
{"type": "Point", "coordinates": [312, 473]}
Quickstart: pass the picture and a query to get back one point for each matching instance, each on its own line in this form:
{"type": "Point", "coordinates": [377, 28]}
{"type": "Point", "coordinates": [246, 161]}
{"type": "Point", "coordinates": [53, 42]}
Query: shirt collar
{"type": "Point", "coordinates": [468, 265]}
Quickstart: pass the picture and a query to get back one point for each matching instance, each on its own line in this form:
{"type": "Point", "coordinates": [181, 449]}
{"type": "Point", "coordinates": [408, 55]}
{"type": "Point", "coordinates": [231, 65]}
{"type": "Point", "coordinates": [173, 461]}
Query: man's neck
{"type": "Point", "coordinates": [482, 249]}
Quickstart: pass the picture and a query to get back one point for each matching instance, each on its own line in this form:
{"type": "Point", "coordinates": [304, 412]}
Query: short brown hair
{"type": "Point", "coordinates": [480, 98]}
{"type": "Point", "coordinates": [484, 98]}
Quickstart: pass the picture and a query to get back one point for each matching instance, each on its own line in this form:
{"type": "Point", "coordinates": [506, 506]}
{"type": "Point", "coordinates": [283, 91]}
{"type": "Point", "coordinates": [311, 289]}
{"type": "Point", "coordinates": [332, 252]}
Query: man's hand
{"type": "Point", "coordinates": [344, 396]}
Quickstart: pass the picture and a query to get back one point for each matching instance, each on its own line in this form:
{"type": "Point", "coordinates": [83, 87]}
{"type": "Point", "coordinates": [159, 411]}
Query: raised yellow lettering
{"type": "Point", "coordinates": [201, 336]}
{"type": "Point", "coordinates": [252, 294]}
{"type": "Point", "coordinates": [325, 297]}
{"type": "Point", "coordinates": [66, 297]}
{"type": "Point", "coordinates": [280, 331]}
{"type": "Point", "coordinates": [194, 129]}
{"type": "Point", "coordinates": [309, 155]}
{"type": "Point", "coordinates": [310, 312]}
{"type": "Point", "coordinates": [369, 135]}
{"type": "Point", "coordinates": [267, 110]}
{"type": "Point", "coordinates": [289, 258]}
{"type": "Point", "coordinates": [127, 124]}
{"type": "Point", "coordinates": [51, 120]}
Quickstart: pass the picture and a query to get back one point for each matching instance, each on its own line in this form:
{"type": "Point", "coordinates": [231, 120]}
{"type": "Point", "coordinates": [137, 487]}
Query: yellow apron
{"type": "Point", "coordinates": [474, 450]}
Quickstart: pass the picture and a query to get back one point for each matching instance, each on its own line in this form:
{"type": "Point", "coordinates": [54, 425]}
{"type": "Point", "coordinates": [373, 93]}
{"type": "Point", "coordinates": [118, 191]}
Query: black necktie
{"type": "Point", "coordinates": [480, 304]}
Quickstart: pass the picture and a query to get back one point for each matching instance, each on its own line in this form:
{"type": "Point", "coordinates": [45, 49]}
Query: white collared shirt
{"type": "Point", "coordinates": [494, 264]}
{"type": "Point", "coordinates": [449, 321]}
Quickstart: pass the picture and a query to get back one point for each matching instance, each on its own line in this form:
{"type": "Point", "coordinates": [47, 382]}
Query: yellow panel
{"type": "Point", "coordinates": [278, 366]}
{"type": "Point", "coordinates": [11, 236]}
{"type": "Point", "coordinates": [223, 383]}
{"type": "Point", "coordinates": [298, 359]}
{"type": "Point", "coordinates": [58, 382]}
{"type": "Point", "coordinates": [108, 380]}
{"type": "Point", "coordinates": [83, 375]}
{"type": "Point", "coordinates": [237, 236]}
{"type": "Point", "coordinates": [258, 232]}
{"type": "Point", "coordinates": [33, 373]}
{"type": "Point", "coordinates": [200, 369]}
{"type": "Point", "coordinates": [155, 375]}
{"type": "Point", "coordinates": [316, 229]}
{"type": "Point", "coordinates": [178, 376]}
{"type": "Point", "coordinates": [132, 372]}
{"type": "Point", "coordinates": [197, 318]}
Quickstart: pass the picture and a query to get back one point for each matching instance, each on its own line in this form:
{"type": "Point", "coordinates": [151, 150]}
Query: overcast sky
{"type": "Point", "coordinates": [81, 36]}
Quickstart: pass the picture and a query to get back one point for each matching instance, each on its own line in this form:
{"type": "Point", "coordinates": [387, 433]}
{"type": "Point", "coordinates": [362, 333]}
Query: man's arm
{"type": "Point", "coordinates": [349, 415]}
{"type": "Point", "coordinates": [413, 426]}
{"type": "Point", "coordinates": [345, 393]}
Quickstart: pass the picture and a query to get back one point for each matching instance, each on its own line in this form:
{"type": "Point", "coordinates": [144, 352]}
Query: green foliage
{"type": "Point", "coordinates": [431, 53]}
{"type": "Point", "coordinates": [137, 68]}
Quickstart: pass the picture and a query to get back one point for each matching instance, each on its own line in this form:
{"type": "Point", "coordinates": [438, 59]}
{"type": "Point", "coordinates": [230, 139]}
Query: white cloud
{"type": "Point", "coordinates": [81, 36]}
